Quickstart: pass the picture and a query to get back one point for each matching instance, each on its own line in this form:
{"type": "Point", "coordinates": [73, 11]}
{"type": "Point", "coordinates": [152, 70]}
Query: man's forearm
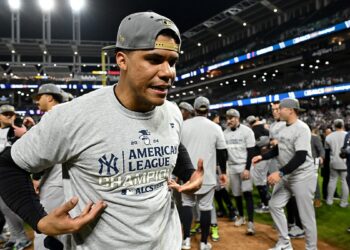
{"type": "Point", "coordinates": [16, 189]}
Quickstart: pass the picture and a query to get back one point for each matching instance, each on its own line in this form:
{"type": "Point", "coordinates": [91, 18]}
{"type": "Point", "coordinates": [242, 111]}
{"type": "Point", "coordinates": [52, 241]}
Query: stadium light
{"type": "Point", "coordinates": [77, 5]}
{"type": "Point", "coordinates": [46, 5]}
{"type": "Point", "coordinates": [14, 4]}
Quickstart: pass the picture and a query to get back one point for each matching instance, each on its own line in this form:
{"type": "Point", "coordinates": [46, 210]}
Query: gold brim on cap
{"type": "Point", "coordinates": [168, 46]}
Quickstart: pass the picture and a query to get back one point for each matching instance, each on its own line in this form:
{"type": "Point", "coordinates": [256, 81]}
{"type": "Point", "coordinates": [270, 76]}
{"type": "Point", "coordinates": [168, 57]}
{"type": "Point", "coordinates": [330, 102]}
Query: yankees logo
{"type": "Point", "coordinates": [109, 164]}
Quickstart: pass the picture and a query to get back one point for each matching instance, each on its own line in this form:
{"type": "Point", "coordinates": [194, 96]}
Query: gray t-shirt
{"type": "Point", "coordinates": [113, 154]}
{"type": "Point", "coordinates": [293, 138]}
{"type": "Point", "coordinates": [202, 137]}
{"type": "Point", "coordinates": [237, 143]}
{"type": "Point", "coordinates": [334, 142]}
{"type": "Point", "coordinates": [275, 127]}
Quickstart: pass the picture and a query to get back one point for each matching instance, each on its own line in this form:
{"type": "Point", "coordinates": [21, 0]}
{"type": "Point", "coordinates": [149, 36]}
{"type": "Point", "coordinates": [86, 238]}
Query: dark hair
{"type": "Point", "coordinates": [202, 112]}
{"type": "Point", "coordinates": [338, 124]}
{"type": "Point", "coordinates": [171, 33]}
{"type": "Point", "coordinates": [57, 98]}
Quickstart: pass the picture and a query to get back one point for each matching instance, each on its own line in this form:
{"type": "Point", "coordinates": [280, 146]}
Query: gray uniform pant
{"type": "Point", "coordinates": [259, 173]}
{"type": "Point", "coordinates": [332, 185]}
{"type": "Point", "coordinates": [51, 197]}
{"type": "Point", "coordinates": [15, 223]}
{"type": "Point", "coordinates": [197, 214]}
{"type": "Point", "coordinates": [303, 190]}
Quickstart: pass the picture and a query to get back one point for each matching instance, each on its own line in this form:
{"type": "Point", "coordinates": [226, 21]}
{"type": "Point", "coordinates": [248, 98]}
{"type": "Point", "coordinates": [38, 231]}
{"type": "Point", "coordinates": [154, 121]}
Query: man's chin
{"type": "Point", "coordinates": [158, 101]}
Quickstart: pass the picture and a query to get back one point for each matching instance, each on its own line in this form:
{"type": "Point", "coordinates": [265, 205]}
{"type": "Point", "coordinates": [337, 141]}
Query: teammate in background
{"type": "Point", "coordinates": [215, 117]}
{"type": "Point", "coordinates": [295, 228]}
{"type": "Point", "coordinates": [275, 127]}
{"type": "Point", "coordinates": [338, 168]}
{"type": "Point", "coordinates": [325, 171]}
{"type": "Point", "coordinates": [345, 154]}
{"type": "Point", "coordinates": [318, 154]}
{"type": "Point", "coordinates": [18, 238]}
{"type": "Point", "coordinates": [49, 184]}
{"type": "Point", "coordinates": [259, 172]}
{"type": "Point", "coordinates": [221, 195]}
{"type": "Point", "coordinates": [186, 110]}
{"type": "Point", "coordinates": [212, 149]}
{"type": "Point", "coordinates": [119, 164]}
{"type": "Point", "coordinates": [240, 146]}
{"type": "Point", "coordinates": [296, 175]}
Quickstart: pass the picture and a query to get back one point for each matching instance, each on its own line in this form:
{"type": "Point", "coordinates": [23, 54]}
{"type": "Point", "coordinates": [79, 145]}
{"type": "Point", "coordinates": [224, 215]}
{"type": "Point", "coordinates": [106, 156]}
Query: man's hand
{"type": "Point", "coordinates": [245, 175]}
{"type": "Point", "coordinates": [60, 222]}
{"type": "Point", "coordinates": [36, 186]}
{"type": "Point", "coordinates": [256, 159]}
{"type": "Point", "coordinates": [19, 131]}
{"type": "Point", "coordinates": [321, 160]}
{"type": "Point", "coordinates": [194, 184]}
{"type": "Point", "coordinates": [28, 121]}
{"type": "Point", "coordinates": [273, 178]}
{"type": "Point", "coordinates": [223, 179]}
{"type": "Point", "coordinates": [273, 142]}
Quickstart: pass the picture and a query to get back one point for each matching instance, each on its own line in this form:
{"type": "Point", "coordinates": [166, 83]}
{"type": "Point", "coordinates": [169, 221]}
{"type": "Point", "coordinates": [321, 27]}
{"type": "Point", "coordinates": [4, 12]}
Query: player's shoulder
{"type": "Point", "coordinates": [96, 101]}
{"type": "Point", "coordinates": [89, 99]}
{"type": "Point", "coordinates": [172, 110]}
{"type": "Point", "coordinates": [301, 124]}
{"type": "Point", "coordinates": [245, 128]}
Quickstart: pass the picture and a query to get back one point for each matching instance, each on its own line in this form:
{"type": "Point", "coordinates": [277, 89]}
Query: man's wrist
{"type": "Point", "coordinates": [281, 173]}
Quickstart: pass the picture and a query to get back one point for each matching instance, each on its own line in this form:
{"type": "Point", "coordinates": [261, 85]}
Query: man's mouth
{"type": "Point", "coordinates": [161, 89]}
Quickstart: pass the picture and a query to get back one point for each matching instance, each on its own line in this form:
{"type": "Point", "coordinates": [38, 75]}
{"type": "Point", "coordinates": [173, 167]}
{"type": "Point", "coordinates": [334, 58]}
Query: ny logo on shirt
{"type": "Point", "coordinates": [110, 163]}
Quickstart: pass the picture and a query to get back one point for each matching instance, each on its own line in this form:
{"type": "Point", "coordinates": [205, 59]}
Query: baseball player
{"type": "Point", "coordinates": [345, 154]}
{"type": "Point", "coordinates": [49, 184]}
{"type": "Point", "coordinates": [118, 166]}
{"type": "Point", "coordinates": [208, 148]}
{"type": "Point", "coordinates": [240, 146]}
{"type": "Point", "coordinates": [296, 176]}
{"type": "Point", "coordinates": [294, 223]}
{"type": "Point", "coordinates": [259, 172]}
{"type": "Point", "coordinates": [186, 110]}
{"type": "Point", "coordinates": [318, 153]}
{"type": "Point", "coordinates": [18, 238]}
{"type": "Point", "coordinates": [333, 145]}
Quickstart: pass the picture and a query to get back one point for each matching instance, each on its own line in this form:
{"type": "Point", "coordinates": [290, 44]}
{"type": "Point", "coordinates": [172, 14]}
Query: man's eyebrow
{"type": "Point", "coordinates": [160, 56]}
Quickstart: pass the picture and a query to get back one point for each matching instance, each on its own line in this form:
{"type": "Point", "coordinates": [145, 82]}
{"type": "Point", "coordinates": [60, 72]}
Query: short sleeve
{"type": "Point", "coordinates": [250, 139]}
{"type": "Point", "coordinates": [303, 139]}
{"type": "Point", "coordinates": [220, 139]}
{"type": "Point", "coordinates": [44, 145]}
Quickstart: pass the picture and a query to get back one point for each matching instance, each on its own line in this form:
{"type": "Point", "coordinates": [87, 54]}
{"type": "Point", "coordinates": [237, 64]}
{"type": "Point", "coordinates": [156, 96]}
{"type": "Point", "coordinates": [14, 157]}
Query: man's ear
{"type": "Point", "coordinates": [50, 98]}
{"type": "Point", "coordinates": [122, 60]}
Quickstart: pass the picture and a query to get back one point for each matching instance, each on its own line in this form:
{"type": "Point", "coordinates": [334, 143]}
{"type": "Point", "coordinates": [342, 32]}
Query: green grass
{"type": "Point", "coordinates": [332, 222]}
